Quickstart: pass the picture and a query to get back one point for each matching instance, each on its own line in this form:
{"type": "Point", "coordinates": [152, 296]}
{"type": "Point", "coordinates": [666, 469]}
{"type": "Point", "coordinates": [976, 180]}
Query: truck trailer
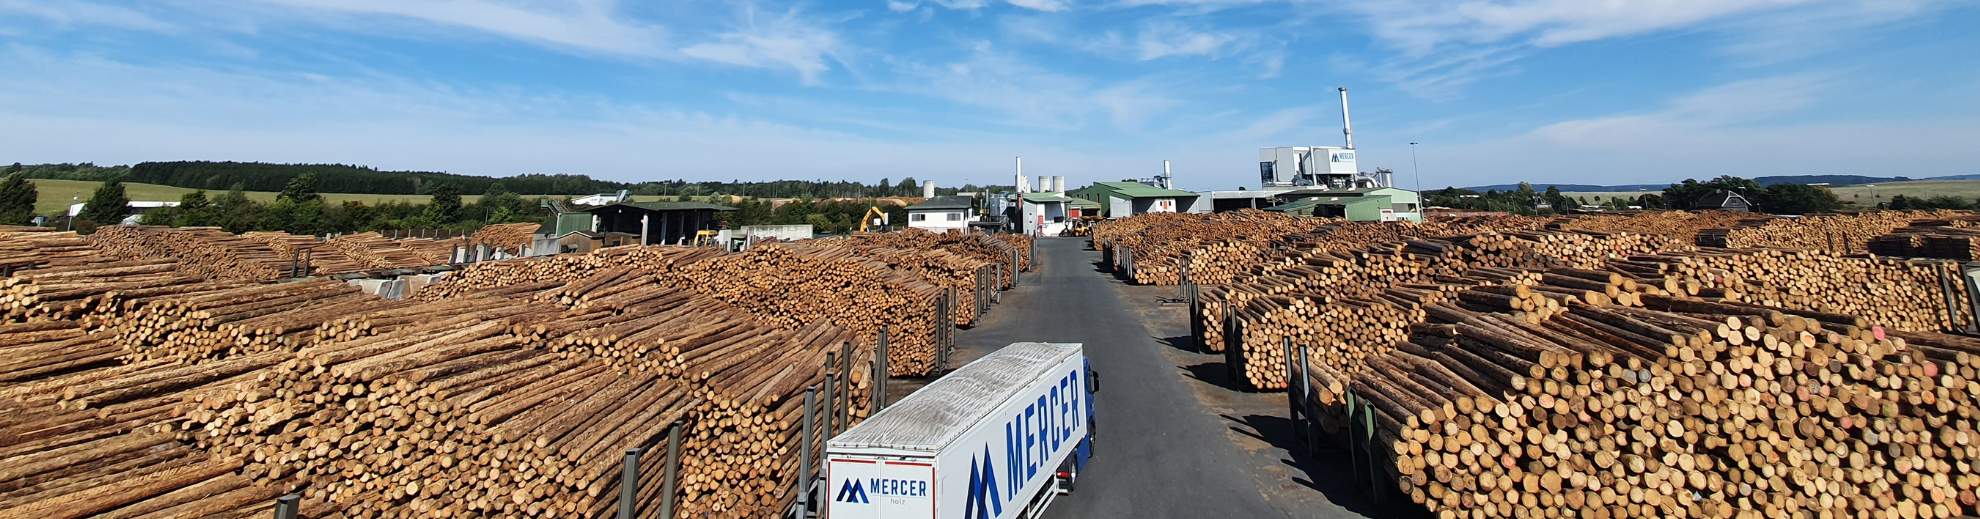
{"type": "Point", "coordinates": [999, 438]}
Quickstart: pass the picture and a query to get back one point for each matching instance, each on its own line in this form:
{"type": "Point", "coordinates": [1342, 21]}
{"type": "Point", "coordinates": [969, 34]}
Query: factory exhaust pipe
{"type": "Point", "coordinates": [1346, 127]}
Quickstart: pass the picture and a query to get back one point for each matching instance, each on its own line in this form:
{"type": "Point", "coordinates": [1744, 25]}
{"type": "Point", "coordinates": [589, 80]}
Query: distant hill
{"type": "Point", "coordinates": [1831, 180]}
{"type": "Point", "coordinates": [1570, 187]}
{"type": "Point", "coordinates": [339, 178]}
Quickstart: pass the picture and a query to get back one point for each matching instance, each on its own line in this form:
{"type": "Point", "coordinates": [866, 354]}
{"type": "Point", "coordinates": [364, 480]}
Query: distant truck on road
{"type": "Point", "coordinates": [999, 438]}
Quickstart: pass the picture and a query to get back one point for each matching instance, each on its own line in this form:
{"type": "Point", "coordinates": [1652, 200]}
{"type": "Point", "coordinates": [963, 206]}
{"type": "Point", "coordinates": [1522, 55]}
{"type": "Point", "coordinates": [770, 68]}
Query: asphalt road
{"type": "Point", "coordinates": [1173, 442]}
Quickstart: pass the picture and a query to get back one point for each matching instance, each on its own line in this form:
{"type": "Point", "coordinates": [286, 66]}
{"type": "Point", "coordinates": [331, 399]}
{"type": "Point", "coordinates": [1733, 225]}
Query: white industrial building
{"type": "Point", "coordinates": [941, 213]}
{"type": "Point", "coordinates": [1286, 169]}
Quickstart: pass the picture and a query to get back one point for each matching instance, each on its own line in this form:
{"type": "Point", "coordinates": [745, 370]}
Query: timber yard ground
{"type": "Point", "coordinates": [1175, 438]}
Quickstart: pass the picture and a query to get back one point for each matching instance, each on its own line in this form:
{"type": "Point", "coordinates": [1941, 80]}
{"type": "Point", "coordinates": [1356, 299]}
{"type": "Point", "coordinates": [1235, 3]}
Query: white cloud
{"type": "Point", "coordinates": [592, 25]}
{"type": "Point", "coordinates": [1747, 128]}
{"type": "Point", "coordinates": [116, 113]}
{"type": "Point", "coordinates": [1030, 95]}
{"type": "Point", "coordinates": [786, 41]}
{"type": "Point", "coordinates": [901, 7]}
{"type": "Point", "coordinates": [1160, 39]}
{"type": "Point", "coordinates": [1041, 5]}
{"type": "Point", "coordinates": [68, 13]}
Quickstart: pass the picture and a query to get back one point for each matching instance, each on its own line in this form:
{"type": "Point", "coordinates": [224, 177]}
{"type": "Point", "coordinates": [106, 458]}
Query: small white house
{"type": "Point", "coordinates": [941, 213]}
{"type": "Point", "coordinates": [1046, 214]}
{"type": "Point", "coordinates": [134, 211]}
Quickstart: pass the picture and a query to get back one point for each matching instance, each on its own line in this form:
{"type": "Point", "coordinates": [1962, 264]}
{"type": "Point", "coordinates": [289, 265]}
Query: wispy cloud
{"type": "Point", "coordinates": [1165, 38]}
{"type": "Point", "coordinates": [71, 13]}
{"type": "Point", "coordinates": [787, 41]}
{"type": "Point", "coordinates": [589, 25]}
{"type": "Point", "coordinates": [1031, 95]}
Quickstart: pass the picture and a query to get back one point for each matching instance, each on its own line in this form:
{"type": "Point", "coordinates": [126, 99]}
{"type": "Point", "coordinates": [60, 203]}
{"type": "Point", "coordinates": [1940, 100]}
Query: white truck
{"type": "Point", "coordinates": [1000, 437]}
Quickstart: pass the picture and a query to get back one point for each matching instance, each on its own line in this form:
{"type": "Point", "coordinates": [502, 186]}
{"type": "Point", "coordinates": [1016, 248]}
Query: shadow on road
{"type": "Point", "coordinates": [1214, 373]}
{"type": "Point", "coordinates": [1328, 471]}
{"type": "Point", "coordinates": [1182, 343]}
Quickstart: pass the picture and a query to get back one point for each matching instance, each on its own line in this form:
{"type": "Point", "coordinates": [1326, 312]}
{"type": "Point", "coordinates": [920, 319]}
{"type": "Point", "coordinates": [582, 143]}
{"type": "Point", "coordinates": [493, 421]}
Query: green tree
{"type": "Point", "coordinates": [445, 208]}
{"type": "Point", "coordinates": [16, 168]}
{"type": "Point", "coordinates": [1798, 199]}
{"type": "Point", "coordinates": [195, 210]}
{"type": "Point", "coordinates": [17, 197]}
{"type": "Point", "coordinates": [300, 189]}
{"type": "Point", "coordinates": [108, 205]}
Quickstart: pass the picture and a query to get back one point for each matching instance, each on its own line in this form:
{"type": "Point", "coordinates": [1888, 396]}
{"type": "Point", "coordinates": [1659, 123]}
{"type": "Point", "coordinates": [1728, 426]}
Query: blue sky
{"type": "Point", "coordinates": [1569, 91]}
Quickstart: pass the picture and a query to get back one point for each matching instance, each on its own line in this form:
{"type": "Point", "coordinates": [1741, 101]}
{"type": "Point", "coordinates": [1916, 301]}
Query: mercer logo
{"type": "Point", "coordinates": [851, 492]}
{"type": "Point", "coordinates": [1032, 437]}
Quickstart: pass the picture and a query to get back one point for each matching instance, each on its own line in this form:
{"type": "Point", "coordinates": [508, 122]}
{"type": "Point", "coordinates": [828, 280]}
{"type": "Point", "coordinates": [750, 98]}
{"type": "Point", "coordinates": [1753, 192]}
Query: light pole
{"type": "Point", "coordinates": [1415, 168]}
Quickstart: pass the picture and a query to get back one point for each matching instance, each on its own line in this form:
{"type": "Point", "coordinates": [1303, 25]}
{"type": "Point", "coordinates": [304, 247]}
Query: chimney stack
{"type": "Point", "coordinates": [928, 189]}
{"type": "Point", "coordinates": [1059, 185]}
{"type": "Point", "coordinates": [1022, 184]}
{"type": "Point", "coordinates": [1346, 127]}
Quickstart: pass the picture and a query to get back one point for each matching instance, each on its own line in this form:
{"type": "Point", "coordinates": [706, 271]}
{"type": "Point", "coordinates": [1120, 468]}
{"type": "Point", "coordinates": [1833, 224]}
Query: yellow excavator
{"type": "Point", "coordinates": [873, 214]}
{"type": "Point", "coordinates": [707, 238]}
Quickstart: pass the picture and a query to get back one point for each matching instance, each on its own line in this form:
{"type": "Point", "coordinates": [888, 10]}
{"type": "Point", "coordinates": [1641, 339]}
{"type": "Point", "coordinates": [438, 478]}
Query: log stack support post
{"type": "Point", "coordinates": [845, 385]}
{"type": "Point", "coordinates": [1014, 268]}
{"type": "Point", "coordinates": [1948, 290]}
{"type": "Point", "coordinates": [286, 506]}
{"type": "Point", "coordinates": [880, 371]}
{"type": "Point", "coordinates": [629, 485]}
{"type": "Point", "coordinates": [1293, 397]}
{"type": "Point", "coordinates": [807, 480]}
{"type": "Point", "coordinates": [672, 472]}
{"type": "Point", "coordinates": [1967, 280]}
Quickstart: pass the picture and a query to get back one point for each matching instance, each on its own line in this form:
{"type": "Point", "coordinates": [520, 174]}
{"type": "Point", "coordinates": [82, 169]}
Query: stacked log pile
{"type": "Point", "coordinates": [21, 248]}
{"type": "Point", "coordinates": [512, 237]}
{"type": "Point", "coordinates": [75, 437]}
{"type": "Point", "coordinates": [1907, 295]}
{"type": "Point", "coordinates": [788, 288]}
{"type": "Point", "coordinates": [1022, 243]}
{"type": "Point", "coordinates": [1359, 303]}
{"type": "Point", "coordinates": [373, 251]}
{"type": "Point", "coordinates": [204, 251]}
{"type": "Point", "coordinates": [433, 251]}
{"type": "Point", "coordinates": [1240, 243]}
{"type": "Point", "coordinates": [1010, 251]}
{"type": "Point", "coordinates": [70, 293]}
{"type": "Point", "coordinates": [323, 261]}
{"type": "Point", "coordinates": [935, 266]}
{"type": "Point", "coordinates": [1840, 234]}
{"type": "Point", "coordinates": [1688, 409]}
{"type": "Point", "coordinates": [1682, 227]}
{"type": "Point", "coordinates": [230, 322]}
{"type": "Point", "coordinates": [561, 269]}
{"type": "Point", "coordinates": [421, 410]}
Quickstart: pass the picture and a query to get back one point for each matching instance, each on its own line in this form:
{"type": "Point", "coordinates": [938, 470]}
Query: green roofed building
{"type": "Point", "coordinates": [1124, 199]}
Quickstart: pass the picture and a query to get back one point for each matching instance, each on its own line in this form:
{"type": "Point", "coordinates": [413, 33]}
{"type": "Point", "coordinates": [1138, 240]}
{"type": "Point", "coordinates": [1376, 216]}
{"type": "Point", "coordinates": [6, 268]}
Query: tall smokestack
{"type": "Point", "coordinates": [928, 189]}
{"type": "Point", "coordinates": [1022, 185]}
{"type": "Point", "coordinates": [1167, 178]}
{"type": "Point", "coordinates": [1346, 127]}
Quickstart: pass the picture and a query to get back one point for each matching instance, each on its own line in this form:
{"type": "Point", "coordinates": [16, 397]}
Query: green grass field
{"type": "Point", "coordinates": [1860, 195]}
{"type": "Point", "coordinates": [57, 195]}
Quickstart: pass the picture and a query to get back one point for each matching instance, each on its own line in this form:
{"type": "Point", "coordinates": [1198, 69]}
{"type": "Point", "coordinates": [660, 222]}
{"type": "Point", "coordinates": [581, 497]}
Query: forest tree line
{"type": "Point", "coordinates": [299, 208]}
{"type": "Point", "coordinates": [341, 178]}
{"type": "Point", "coordinates": [1774, 199]}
